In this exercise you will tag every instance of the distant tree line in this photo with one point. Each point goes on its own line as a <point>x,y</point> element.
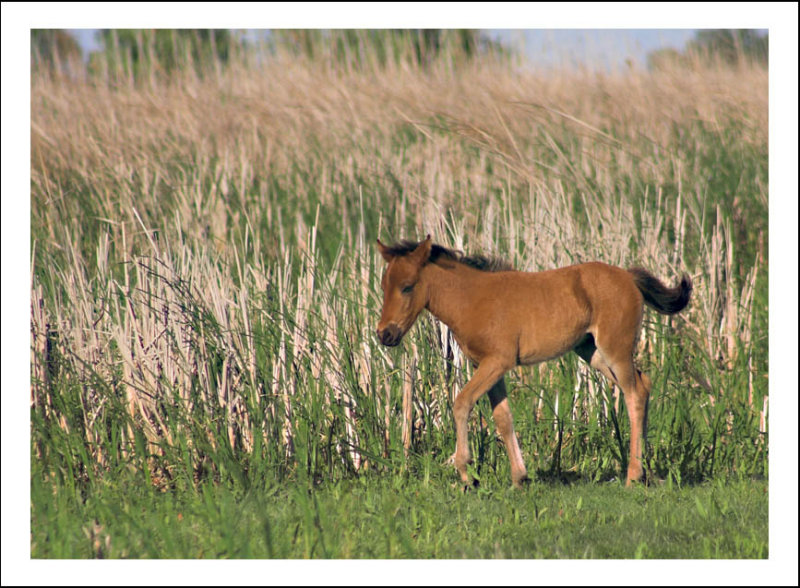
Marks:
<point>715,46</point>
<point>142,53</point>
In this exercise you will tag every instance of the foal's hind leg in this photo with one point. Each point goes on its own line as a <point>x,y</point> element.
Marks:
<point>635,386</point>
<point>505,424</point>
<point>637,391</point>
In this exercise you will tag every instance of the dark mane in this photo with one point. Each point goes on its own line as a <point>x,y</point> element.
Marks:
<point>439,254</point>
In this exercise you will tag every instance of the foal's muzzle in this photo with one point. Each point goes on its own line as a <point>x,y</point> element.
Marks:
<point>390,336</point>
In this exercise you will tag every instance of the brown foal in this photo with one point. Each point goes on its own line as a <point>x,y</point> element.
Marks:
<point>503,318</point>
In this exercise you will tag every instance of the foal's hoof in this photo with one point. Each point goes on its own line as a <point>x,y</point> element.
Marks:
<point>468,486</point>
<point>638,479</point>
<point>522,483</point>
<point>641,481</point>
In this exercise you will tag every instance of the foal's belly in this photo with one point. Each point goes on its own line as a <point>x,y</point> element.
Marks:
<point>548,346</point>
<point>547,335</point>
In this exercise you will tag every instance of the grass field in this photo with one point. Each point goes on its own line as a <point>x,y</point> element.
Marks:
<point>403,516</point>
<point>204,291</point>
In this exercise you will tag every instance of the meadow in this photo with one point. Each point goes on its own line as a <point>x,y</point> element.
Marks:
<point>205,376</point>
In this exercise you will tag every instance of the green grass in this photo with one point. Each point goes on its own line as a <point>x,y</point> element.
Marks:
<point>403,516</point>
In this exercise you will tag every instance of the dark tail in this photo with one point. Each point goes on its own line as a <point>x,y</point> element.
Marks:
<point>658,296</point>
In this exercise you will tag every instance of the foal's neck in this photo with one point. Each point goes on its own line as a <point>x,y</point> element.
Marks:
<point>451,291</point>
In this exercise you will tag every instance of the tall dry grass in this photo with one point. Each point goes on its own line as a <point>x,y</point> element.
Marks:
<point>204,281</point>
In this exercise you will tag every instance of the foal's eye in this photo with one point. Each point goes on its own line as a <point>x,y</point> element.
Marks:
<point>408,289</point>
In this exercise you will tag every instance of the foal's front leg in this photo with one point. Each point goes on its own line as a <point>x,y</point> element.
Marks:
<point>486,376</point>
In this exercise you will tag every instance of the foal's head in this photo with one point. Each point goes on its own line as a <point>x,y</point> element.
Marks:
<point>404,296</point>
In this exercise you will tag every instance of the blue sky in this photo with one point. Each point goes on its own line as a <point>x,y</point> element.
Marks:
<point>591,47</point>
<point>554,47</point>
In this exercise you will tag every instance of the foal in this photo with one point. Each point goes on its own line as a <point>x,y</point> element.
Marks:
<point>503,318</point>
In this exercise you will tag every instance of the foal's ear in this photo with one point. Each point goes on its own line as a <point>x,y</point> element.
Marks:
<point>386,253</point>
<point>423,251</point>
